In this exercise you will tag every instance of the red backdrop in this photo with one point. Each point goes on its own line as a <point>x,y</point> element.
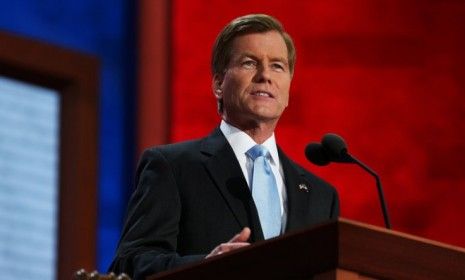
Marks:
<point>387,75</point>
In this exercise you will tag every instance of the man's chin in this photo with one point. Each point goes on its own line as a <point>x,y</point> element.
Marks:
<point>266,114</point>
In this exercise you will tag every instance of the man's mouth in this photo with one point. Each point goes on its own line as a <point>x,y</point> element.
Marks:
<point>262,93</point>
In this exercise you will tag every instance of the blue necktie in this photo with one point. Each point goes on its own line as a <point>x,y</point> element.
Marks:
<point>265,192</point>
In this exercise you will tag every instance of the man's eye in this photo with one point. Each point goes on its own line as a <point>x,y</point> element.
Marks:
<point>278,66</point>
<point>249,63</point>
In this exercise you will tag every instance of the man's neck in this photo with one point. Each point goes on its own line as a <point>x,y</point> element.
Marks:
<point>258,131</point>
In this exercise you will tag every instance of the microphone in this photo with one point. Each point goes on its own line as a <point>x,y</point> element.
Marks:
<point>334,149</point>
<point>316,154</point>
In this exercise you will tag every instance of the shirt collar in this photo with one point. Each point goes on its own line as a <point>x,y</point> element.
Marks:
<point>241,142</point>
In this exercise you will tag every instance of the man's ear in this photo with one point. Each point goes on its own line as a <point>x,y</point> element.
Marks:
<point>217,83</point>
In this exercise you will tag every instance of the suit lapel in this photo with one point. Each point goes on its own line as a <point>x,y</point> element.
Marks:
<point>224,169</point>
<point>298,194</point>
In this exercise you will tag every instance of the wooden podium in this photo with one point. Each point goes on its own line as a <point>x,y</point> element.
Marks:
<point>341,249</point>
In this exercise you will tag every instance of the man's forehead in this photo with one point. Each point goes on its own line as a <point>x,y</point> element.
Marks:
<point>252,44</point>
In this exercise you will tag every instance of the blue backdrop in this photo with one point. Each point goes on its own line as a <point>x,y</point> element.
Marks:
<point>106,29</point>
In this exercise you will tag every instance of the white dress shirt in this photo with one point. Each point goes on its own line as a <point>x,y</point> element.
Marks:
<point>241,142</point>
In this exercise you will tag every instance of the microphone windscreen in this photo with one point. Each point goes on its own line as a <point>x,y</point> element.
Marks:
<point>316,154</point>
<point>335,145</point>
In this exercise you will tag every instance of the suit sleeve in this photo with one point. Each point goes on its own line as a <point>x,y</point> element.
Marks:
<point>149,238</point>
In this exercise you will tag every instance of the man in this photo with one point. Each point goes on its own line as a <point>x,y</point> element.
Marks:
<point>192,197</point>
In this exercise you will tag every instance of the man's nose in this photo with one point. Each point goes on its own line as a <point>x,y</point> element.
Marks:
<point>263,74</point>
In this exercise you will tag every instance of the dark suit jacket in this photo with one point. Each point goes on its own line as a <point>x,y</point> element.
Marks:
<point>192,196</point>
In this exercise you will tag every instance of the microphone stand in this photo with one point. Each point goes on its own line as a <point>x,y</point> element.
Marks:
<point>350,158</point>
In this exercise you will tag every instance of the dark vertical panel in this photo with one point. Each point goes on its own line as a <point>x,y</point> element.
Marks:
<point>154,73</point>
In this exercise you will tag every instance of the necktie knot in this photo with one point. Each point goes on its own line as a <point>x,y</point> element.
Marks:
<point>258,151</point>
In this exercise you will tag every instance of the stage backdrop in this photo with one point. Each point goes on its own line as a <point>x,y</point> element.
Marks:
<point>387,75</point>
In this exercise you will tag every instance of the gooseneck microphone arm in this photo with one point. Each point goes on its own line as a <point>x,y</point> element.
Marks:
<point>334,149</point>
<point>378,186</point>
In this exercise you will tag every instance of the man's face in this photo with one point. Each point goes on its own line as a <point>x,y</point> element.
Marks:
<point>255,86</point>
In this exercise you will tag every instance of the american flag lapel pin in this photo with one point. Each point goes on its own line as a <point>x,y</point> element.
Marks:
<point>303,187</point>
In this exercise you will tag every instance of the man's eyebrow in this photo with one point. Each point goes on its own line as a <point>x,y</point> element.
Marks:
<point>245,54</point>
<point>274,59</point>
